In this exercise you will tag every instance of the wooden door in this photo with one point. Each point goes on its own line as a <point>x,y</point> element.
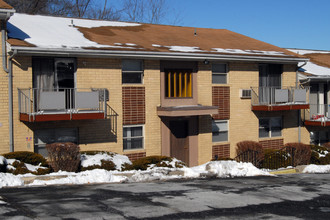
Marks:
<point>179,140</point>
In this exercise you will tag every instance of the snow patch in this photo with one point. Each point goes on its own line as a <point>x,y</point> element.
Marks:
<point>312,168</point>
<point>91,160</point>
<point>8,179</point>
<point>315,69</point>
<point>55,32</point>
<point>254,52</point>
<point>304,51</point>
<point>2,160</point>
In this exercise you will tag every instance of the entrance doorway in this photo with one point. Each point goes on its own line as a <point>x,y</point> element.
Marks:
<point>179,140</point>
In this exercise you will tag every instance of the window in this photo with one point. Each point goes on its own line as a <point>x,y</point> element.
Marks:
<point>133,137</point>
<point>178,83</point>
<point>49,136</point>
<point>132,72</point>
<point>219,73</point>
<point>219,131</point>
<point>270,127</point>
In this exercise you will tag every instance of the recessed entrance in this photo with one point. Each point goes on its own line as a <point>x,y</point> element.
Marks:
<point>179,140</point>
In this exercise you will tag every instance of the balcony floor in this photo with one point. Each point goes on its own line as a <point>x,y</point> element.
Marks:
<point>61,116</point>
<point>279,107</point>
<point>323,123</point>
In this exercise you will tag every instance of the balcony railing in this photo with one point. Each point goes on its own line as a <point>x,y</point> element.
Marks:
<point>318,115</point>
<point>277,98</point>
<point>62,104</point>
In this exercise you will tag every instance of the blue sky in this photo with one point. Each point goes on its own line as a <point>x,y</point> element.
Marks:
<point>285,23</point>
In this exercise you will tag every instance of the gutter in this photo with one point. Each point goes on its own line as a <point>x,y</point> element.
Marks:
<point>34,51</point>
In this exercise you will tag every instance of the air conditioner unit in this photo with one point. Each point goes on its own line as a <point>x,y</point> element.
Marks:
<point>245,93</point>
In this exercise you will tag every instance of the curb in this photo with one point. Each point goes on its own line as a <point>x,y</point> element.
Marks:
<point>284,171</point>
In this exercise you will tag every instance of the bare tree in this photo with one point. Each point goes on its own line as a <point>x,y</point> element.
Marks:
<point>147,11</point>
<point>29,6</point>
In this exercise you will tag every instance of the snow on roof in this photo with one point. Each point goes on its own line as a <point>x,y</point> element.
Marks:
<point>77,34</point>
<point>306,51</point>
<point>56,32</point>
<point>319,62</point>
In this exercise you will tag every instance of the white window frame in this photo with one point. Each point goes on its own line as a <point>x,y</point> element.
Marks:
<point>225,73</point>
<point>270,135</point>
<point>130,137</point>
<point>124,72</point>
<point>217,121</point>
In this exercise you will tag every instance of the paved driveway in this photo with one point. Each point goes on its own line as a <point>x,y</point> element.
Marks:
<point>297,196</point>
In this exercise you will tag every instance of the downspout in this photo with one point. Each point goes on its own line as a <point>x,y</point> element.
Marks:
<point>10,102</point>
<point>299,111</point>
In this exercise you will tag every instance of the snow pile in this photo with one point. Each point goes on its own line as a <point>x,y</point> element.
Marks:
<point>317,169</point>
<point>225,169</point>
<point>86,177</point>
<point>8,179</point>
<point>56,32</point>
<point>91,160</point>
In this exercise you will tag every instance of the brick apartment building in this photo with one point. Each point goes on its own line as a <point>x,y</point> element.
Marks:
<point>142,89</point>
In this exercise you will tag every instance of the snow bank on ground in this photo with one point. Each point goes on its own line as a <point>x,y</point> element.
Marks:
<point>91,160</point>
<point>8,179</point>
<point>90,176</point>
<point>225,169</point>
<point>317,169</point>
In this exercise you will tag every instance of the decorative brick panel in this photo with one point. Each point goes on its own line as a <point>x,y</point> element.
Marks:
<point>221,98</point>
<point>272,144</point>
<point>133,105</point>
<point>221,151</point>
<point>136,156</point>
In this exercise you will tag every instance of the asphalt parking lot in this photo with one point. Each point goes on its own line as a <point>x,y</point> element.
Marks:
<point>294,196</point>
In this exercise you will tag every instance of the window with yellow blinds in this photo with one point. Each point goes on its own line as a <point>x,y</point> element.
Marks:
<point>178,83</point>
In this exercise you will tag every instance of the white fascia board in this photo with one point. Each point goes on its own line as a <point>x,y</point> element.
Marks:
<point>35,51</point>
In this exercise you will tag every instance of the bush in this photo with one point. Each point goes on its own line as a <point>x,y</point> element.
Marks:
<point>105,164</point>
<point>145,162</point>
<point>302,153</point>
<point>250,151</point>
<point>20,168</point>
<point>319,149</point>
<point>275,159</point>
<point>325,160</point>
<point>64,156</point>
<point>27,157</point>
<point>327,146</point>
<point>315,158</point>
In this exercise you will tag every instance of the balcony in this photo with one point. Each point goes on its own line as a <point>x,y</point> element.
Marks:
<point>278,99</point>
<point>318,115</point>
<point>36,105</point>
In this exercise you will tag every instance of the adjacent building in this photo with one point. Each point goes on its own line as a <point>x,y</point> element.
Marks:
<point>143,89</point>
<point>316,75</point>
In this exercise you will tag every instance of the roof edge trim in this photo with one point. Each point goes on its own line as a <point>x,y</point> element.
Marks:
<point>148,55</point>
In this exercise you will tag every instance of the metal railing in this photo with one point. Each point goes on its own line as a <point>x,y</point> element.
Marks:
<point>318,112</point>
<point>34,101</point>
<point>279,95</point>
<point>280,158</point>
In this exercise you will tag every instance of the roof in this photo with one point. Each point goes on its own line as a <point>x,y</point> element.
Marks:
<point>319,64</point>
<point>58,33</point>
<point>4,5</point>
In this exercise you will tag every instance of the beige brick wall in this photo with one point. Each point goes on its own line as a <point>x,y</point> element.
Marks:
<point>243,123</point>
<point>153,123</point>
<point>204,78</point>
<point>4,123</point>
